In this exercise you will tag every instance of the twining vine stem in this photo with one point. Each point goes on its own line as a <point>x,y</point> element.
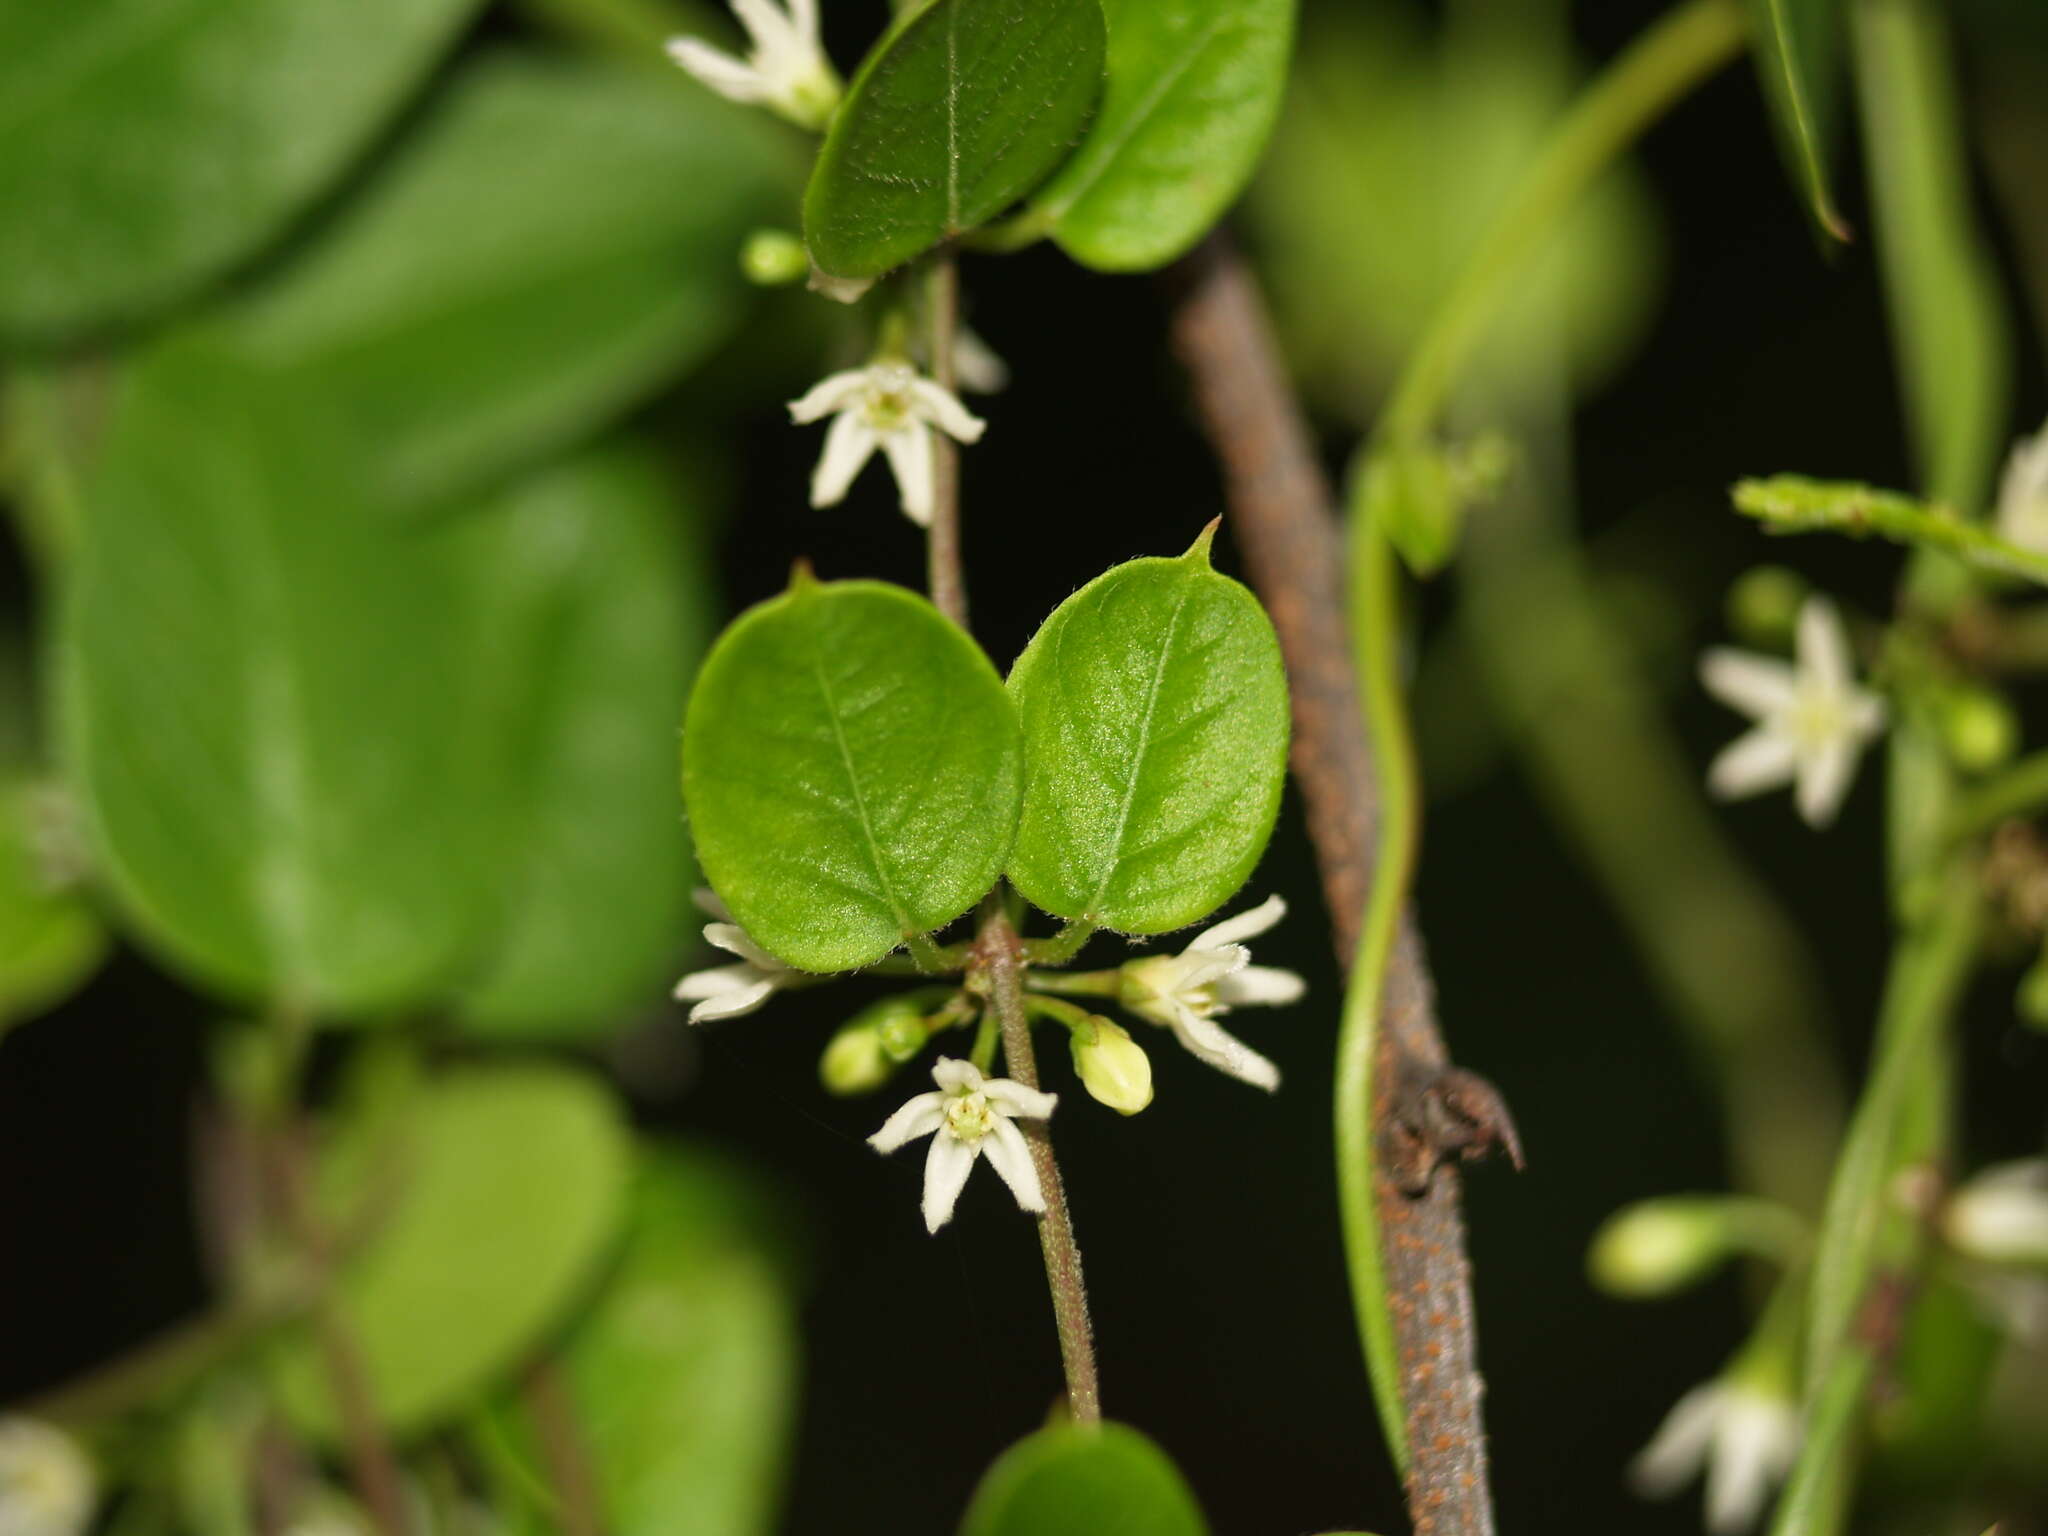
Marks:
<point>998,955</point>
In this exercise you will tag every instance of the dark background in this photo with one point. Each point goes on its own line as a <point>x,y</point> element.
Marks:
<point>1209,1223</point>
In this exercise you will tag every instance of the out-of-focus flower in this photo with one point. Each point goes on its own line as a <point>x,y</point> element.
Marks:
<point>785,69</point>
<point>887,405</point>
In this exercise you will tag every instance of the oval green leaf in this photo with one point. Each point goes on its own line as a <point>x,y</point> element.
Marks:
<point>264,710</point>
<point>1193,89</point>
<point>851,769</point>
<point>683,1374</point>
<point>964,107</point>
<point>593,595</point>
<point>1155,739</point>
<point>150,144</point>
<point>1797,55</point>
<point>1074,1477</point>
<point>499,1191</point>
<point>551,239</point>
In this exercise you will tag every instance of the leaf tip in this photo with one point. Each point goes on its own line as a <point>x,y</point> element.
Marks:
<point>801,577</point>
<point>1200,549</point>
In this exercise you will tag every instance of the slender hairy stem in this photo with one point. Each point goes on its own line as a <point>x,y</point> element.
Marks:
<point>998,953</point>
<point>1282,511</point>
<point>563,1448</point>
<point>1002,961</point>
<point>1657,70</point>
<point>947,582</point>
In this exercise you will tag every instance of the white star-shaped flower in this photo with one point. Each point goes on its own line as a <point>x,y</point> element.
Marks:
<point>727,991</point>
<point>46,1482</point>
<point>890,406</point>
<point>2023,494</point>
<point>1744,1435</point>
<point>1185,992</point>
<point>785,70</point>
<point>1813,721</point>
<point>968,1117</point>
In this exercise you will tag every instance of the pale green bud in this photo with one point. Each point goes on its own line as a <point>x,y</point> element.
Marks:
<point>2032,1000</point>
<point>1980,729</point>
<point>854,1061</point>
<point>1113,1067</point>
<point>774,258</point>
<point>872,1044</point>
<point>1656,1247</point>
<point>1764,604</point>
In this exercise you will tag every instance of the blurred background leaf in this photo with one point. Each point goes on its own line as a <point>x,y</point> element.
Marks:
<point>682,1373</point>
<point>154,143</point>
<point>499,1194</point>
<point>553,239</point>
<point>1083,1477</point>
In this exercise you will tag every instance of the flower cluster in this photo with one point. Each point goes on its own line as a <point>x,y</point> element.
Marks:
<point>971,1114</point>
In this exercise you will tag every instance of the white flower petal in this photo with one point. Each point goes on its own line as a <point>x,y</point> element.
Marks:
<point>728,1002</point>
<point>1260,986</point>
<point>848,443</point>
<point>1010,1156</point>
<point>1246,925</point>
<point>1759,760</point>
<point>735,940</point>
<point>1755,1438</point>
<point>2001,1215</point>
<point>1824,777</point>
<point>708,903</point>
<point>834,392</point>
<point>766,24</point>
<point>1757,685</point>
<point>916,1117</point>
<point>945,1170</point>
<point>1210,1042</point>
<point>1011,1097</point>
<point>955,1075</point>
<point>1679,1448</point>
<point>976,365</point>
<point>942,407</point>
<point>909,448</point>
<point>1823,646</point>
<point>714,67</point>
<point>803,16</point>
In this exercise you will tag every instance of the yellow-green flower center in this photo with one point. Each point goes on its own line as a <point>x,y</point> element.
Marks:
<point>968,1117</point>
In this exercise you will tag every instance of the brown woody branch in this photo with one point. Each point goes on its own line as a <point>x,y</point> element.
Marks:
<point>1284,515</point>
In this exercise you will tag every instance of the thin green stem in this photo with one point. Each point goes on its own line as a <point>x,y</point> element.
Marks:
<point>1002,961</point>
<point>1375,622</point>
<point>1076,983</point>
<point>2020,790</point>
<point>1060,947</point>
<point>1654,73</point>
<point>1070,1016</point>
<point>986,1038</point>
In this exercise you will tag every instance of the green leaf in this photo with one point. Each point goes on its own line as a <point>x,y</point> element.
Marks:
<point>684,1374</point>
<point>1797,44</point>
<point>551,240</point>
<point>153,143</point>
<point>592,572</point>
<point>1074,1477</point>
<point>262,710</point>
<point>1193,89</point>
<point>1947,312</point>
<point>1795,504</point>
<point>851,769</point>
<point>1155,740</point>
<point>501,1193</point>
<point>51,941</point>
<point>964,107</point>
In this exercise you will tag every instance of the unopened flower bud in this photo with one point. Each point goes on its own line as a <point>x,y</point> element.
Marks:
<point>2032,999</point>
<point>1113,1067</point>
<point>1656,1247</point>
<point>1980,729</point>
<point>872,1044</point>
<point>1763,606</point>
<point>773,258</point>
<point>46,1481</point>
